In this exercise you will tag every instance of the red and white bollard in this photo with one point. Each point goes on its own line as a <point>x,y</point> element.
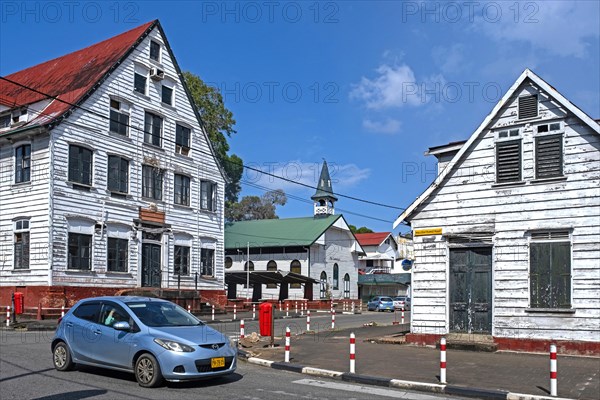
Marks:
<point>189,309</point>
<point>402,316</point>
<point>443,360</point>
<point>213,312</point>
<point>234,312</point>
<point>62,311</point>
<point>280,309</point>
<point>287,309</point>
<point>296,307</point>
<point>352,353</point>
<point>242,329</point>
<point>7,316</point>
<point>308,320</point>
<point>553,372</point>
<point>302,309</point>
<point>253,311</point>
<point>332,319</point>
<point>287,344</point>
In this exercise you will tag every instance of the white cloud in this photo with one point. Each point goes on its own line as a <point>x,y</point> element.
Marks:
<point>394,86</point>
<point>343,176</point>
<point>389,126</point>
<point>559,27</point>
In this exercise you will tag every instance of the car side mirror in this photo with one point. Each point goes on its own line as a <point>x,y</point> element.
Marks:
<point>122,326</point>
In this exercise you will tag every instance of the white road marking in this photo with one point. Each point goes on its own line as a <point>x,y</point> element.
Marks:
<point>394,394</point>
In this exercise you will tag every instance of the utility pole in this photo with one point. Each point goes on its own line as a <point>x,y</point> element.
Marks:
<point>248,271</point>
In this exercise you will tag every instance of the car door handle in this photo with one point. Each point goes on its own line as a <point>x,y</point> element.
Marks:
<point>69,325</point>
<point>97,332</point>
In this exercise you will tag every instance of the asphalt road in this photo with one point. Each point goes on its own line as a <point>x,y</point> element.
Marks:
<point>26,372</point>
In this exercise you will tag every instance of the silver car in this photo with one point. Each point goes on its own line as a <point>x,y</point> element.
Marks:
<point>155,339</point>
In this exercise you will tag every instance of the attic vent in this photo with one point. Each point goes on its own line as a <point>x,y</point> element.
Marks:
<point>549,235</point>
<point>508,161</point>
<point>548,156</point>
<point>528,106</point>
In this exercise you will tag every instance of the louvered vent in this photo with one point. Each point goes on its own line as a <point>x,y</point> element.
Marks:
<point>549,235</point>
<point>548,156</point>
<point>508,161</point>
<point>528,106</point>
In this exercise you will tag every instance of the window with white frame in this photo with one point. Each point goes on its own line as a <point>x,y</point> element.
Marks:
<point>182,260</point>
<point>508,156</point>
<point>182,190</point>
<point>208,195</point>
<point>167,94</point>
<point>347,286</point>
<point>549,151</point>
<point>550,270</point>
<point>153,126</point>
<point>272,267</point>
<point>295,268</point>
<point>140,80</point>
<point>118,174</point>
<point>21,244</point>
<point>119,117</point>
<point>183,136</point>
<point>117,254</point>
<point>207,262</point>
<point>23,163</point>
<point>336,276</point>
<point>155,50</point>
<point>152,182</point>
<point>80,165</point>
<point>80,251</point>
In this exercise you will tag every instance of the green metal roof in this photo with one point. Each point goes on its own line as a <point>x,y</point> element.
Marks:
<point>276,232</point>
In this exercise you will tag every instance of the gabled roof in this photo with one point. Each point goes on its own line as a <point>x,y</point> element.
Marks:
<point>527,74</point>
<point>277,232</point>
<point>70,78</point>
<point>372,239</point>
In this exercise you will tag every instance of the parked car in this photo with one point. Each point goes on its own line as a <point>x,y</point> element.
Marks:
<point>402,302</point>
<point>153,338</point>
<point>380,303</point>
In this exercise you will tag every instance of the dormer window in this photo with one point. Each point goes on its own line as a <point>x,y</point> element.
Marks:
<point>154,51</point>
<point>528,106</point>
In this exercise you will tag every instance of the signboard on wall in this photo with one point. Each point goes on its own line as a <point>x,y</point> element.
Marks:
<point>428,231</point>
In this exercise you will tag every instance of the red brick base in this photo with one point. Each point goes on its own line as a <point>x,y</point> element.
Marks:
<point>525,345</point>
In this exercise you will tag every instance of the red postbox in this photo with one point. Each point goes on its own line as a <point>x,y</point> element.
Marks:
<point>265,319</point>
<point>19,303</point>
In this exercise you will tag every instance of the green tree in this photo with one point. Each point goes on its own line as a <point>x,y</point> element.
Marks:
<point>218,122</point>
<point>255,207</point>
<point>362,229</point>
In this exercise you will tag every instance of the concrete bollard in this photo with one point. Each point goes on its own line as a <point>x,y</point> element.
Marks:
<point>332,319</point>
<point>213,312</point>
<point>353,308</point>
<point>352,353</point>
<point>553,371</point>
<point>287,344</point>
<point>443,360</point>
<point>308,320</point>
<point>242,333</point>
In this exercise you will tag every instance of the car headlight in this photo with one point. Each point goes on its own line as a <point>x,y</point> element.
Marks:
<point>174,346</point>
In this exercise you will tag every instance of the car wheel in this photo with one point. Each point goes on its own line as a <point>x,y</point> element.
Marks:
<point>147,371</point>
<point>61,356</point>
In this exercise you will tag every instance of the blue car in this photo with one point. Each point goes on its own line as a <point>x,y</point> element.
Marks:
<point>155,339</point>
<point>380,303</point>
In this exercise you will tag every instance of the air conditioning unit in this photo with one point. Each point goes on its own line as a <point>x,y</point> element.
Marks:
<point>157,74</point>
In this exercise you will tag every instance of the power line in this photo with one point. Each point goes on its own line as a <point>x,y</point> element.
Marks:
<point>103,116</point>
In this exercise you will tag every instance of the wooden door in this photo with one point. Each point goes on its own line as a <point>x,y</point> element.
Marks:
<point>151,270</point>
<point>471,290</point>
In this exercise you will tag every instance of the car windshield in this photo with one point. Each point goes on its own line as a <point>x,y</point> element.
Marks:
<point>155,314</point>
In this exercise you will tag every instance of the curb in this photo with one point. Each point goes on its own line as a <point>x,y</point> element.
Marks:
<point>394,383</point>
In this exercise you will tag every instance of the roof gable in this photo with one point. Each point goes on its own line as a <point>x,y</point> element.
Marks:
<point>69,78</point>
<point>527,74</point>
<point>372,239</point>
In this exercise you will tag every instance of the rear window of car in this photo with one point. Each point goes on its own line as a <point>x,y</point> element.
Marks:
<point>88,311</point>
<point>386,299</point>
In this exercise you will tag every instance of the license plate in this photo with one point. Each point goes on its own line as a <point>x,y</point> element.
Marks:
<point>217,362</point>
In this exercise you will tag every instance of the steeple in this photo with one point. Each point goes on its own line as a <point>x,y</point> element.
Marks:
<point>324,198</point>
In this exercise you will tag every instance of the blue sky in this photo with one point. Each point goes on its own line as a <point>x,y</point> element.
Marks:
<point>368,86</point>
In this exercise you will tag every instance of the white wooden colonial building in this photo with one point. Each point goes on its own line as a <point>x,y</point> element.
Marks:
<point>321,247</point>
<point>108,180</point>
<point>507,237</point>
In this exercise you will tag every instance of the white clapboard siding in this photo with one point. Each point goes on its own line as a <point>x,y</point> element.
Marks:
<point>469,201</point>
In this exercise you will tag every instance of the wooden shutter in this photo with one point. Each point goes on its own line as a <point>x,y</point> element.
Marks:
<point>548,156</point>
<point>539,279</point>
<point>528,106</point>
<point>508,161</point>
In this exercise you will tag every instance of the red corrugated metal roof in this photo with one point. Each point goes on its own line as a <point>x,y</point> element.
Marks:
<point>371,239</point>
<point>68,77</point>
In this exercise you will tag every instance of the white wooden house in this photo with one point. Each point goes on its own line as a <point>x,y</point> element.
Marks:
<point>507,237</point>
<point>108,180</point>
<point>321,247</point>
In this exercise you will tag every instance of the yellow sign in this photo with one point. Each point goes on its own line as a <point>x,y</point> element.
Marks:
<point>428,231</point>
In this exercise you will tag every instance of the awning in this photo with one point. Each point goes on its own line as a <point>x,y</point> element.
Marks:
<point>265,277</point>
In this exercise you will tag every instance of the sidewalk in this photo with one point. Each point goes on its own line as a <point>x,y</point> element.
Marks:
<point>495,373</point>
